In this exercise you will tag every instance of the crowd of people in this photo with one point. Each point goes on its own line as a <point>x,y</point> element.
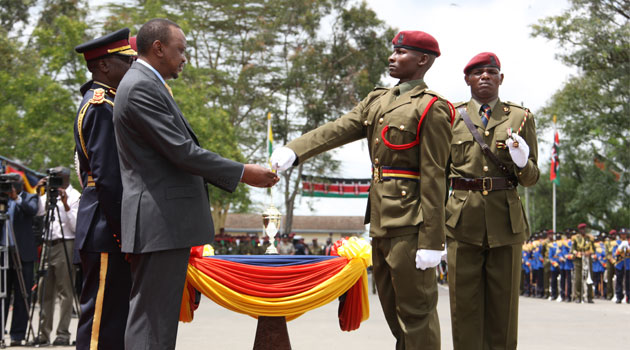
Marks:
<point>577,266</point>
<point>286,244</point>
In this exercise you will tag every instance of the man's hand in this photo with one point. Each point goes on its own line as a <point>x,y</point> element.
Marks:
<point>64,198</point>
<point>519,150</point>
<point>255,175</point>
<point>427,258</point>
<point>282,158</point>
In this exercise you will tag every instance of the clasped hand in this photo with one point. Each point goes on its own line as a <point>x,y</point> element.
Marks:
<point>519,150</point>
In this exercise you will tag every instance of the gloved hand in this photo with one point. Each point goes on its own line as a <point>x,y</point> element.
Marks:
<point>623,245</point>
<point>282,158</point>
<point>426,258</point>
<point>519,154</point>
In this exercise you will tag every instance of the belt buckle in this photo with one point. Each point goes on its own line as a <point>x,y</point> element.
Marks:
<point>485,188</point>
<point>377,174</point>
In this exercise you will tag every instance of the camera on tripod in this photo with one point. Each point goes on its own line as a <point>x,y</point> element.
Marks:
<point>7,183</point>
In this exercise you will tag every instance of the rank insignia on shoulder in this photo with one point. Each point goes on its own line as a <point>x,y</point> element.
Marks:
<point>99,96</point>
<point>506,109</point>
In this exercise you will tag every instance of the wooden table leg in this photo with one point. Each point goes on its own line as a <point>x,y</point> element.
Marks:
<point>272,334</point>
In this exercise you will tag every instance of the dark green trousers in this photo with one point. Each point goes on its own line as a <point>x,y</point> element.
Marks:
<point>408,296</point>
<point>483,286</point>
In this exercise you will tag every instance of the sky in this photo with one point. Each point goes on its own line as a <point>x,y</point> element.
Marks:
<point>462,29</point>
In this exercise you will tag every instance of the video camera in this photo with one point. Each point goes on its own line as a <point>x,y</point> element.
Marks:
<point>55,179</point>
<point>7,182</point>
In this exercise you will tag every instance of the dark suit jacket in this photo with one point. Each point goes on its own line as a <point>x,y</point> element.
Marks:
<point>98,219</point>
<point>163,169</point>
<point>22,217</point>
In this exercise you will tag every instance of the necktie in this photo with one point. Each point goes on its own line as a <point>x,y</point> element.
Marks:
<point>169,89</point>
<point>485,114</point>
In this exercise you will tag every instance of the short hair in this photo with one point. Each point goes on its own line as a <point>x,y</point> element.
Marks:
<point>155,29</point>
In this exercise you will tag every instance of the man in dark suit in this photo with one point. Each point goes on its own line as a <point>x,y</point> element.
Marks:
<point>21,210</point>
<point>103,318</point>
<point>165,206</point>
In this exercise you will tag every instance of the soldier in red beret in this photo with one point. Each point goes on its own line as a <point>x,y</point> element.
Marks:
<point>494,149</point>
<point>408,129</point>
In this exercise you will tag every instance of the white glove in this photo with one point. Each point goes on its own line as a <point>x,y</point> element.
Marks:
<point>623,245</point>
<point>519,154</point>
<point>282,158</point>
<point>427,258</point>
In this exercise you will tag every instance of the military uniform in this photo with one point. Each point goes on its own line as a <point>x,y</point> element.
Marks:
<point>609,244</point>
<point>106,275</point>
<point>621,252</point>
<point>489,223</point>
<point>566,269</point>
<point>581,248</point>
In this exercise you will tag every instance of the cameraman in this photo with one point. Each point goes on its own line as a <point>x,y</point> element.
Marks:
<point>22,207</point>
<point>58,280</point>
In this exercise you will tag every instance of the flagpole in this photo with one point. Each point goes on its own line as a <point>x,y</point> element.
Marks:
<point>555,130</point>
<point>269,150</point>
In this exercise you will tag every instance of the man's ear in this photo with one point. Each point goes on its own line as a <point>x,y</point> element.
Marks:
<point>501,81</point>
<point>103,65</point>
<point>158,48</point>
<point>466,79</point>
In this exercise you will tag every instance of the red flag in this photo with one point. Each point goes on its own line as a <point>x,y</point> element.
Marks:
<point>555,160</point>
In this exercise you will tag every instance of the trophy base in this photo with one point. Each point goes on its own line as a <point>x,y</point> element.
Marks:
<point>271,250</point>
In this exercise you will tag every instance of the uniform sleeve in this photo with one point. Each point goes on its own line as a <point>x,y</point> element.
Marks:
<point>528,175</point>
<point>435,141</point>
<point>350,127</point>
<point>153,120</point>
<point>28,207</point>
<point>98,131</point>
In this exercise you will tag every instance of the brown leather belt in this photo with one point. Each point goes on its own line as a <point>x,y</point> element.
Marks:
<point>484,184</point>
<point>90,182</point>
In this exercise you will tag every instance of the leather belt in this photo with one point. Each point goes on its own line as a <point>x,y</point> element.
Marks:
<point>483,184</point>
<point>53,242</point>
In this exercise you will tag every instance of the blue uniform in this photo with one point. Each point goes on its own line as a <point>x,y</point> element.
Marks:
<point>622,271</point>
<point>98,224</point>
<point>554,259</point>
<point>566,267</point>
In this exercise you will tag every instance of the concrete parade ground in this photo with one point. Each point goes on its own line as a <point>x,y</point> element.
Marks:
<point>543,324</point>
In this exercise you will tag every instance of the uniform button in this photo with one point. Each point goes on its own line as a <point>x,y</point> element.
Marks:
<point>376,161</point>
<point>380,121</point>
<point>487,133</point>
<point>376,140</point>
<point>485,168</point>
<point>459,142</point>
<point>365,123</point>
<point>402,127</point>
<point>403,193</point>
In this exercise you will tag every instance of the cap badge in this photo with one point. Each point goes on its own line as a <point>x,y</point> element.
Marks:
<point>400,39</point>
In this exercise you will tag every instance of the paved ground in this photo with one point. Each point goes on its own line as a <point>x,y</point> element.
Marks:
<point>543,325</point>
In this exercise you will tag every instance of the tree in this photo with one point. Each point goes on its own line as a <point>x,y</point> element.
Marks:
<point>593,110</point>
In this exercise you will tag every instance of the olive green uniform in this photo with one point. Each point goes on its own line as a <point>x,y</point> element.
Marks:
<point>405,214</point>
<point>609,244</point>
<point>486,231</point>
<point>582,245</point>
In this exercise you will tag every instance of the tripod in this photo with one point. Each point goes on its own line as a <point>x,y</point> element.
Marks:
<point>44,260</point>
<point>5,251</point>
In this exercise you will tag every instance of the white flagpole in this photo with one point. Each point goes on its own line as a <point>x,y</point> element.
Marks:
<point>554,182</point>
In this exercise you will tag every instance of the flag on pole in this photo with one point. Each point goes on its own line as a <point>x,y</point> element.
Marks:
<point>269,138</point>
<point>555,159</point>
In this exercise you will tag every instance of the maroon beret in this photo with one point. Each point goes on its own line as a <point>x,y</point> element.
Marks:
<point>612,232</point>
<point>582,225</point>
<point>418,41</point>
<point>484,59</point>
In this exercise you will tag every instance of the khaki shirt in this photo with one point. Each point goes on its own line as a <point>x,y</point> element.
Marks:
<point>498,218</point>
<point>396,207</point>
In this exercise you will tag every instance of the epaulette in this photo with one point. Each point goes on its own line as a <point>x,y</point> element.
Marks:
<point>97,98</point>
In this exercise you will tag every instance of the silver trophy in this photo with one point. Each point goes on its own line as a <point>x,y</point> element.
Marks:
<point>271,224</point>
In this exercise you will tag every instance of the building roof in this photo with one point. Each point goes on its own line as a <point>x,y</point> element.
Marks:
<point>301,224</point>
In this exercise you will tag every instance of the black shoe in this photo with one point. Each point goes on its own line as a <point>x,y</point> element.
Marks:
<point>618,301</point>
<point>590,301</point>
<point>40,342</point>
<point>61,342</point>
<point>15,342</point>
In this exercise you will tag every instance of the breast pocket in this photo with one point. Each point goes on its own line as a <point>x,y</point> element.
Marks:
<point>400,132</point>
<point>461,145</point>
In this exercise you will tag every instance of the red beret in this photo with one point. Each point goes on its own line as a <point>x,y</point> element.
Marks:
<point>418,41</point>
<point>612,232</point>
<point>582,225</point>
<point>132,43</point>
<point>484,59</point>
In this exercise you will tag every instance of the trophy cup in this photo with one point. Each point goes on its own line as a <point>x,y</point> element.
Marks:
<point>271,224</point>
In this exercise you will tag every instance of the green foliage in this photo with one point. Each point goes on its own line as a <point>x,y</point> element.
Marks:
<point>593,110</point>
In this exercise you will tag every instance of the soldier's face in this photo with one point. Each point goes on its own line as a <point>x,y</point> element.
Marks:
<point>484,83</point>
<point>174,53</point>
<point>404,63</point>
